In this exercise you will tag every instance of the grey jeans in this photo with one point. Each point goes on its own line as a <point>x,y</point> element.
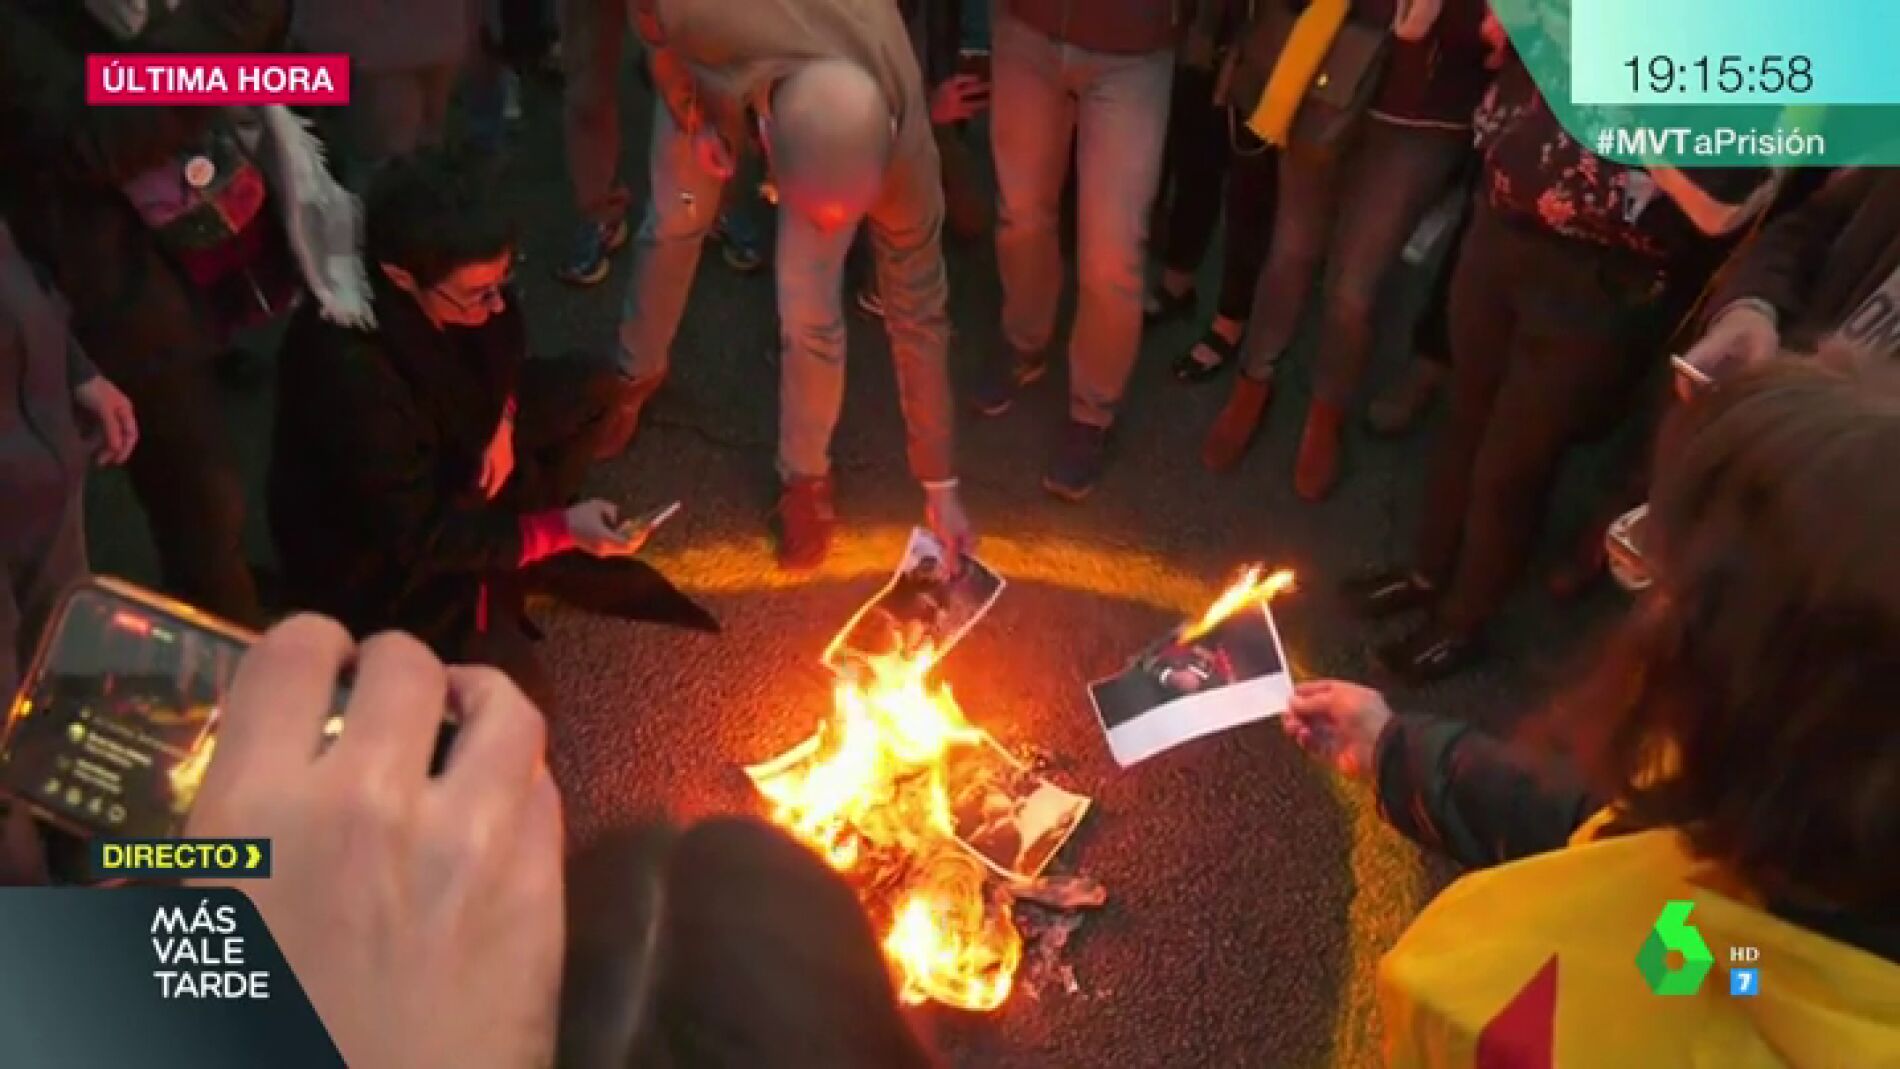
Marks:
<point>906,232</point>
<point>395,112</point>
<point>1351,211</point>
<point>1115,108</point>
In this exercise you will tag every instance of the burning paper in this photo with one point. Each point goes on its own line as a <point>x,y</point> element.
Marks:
<point>1212,674</point>
<point>924,811</point>
<point>923,609</point>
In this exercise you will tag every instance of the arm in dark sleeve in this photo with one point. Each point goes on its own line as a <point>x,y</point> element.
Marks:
<point>1451,788</point>
<point>943,40</point>
<point>1781,264</point>
<point>392,462</point>
<point>79,367</point>
<point>44,115</point>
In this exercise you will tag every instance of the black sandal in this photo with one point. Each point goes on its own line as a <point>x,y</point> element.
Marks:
<point>1189,367</point>
<point>1162,306</point>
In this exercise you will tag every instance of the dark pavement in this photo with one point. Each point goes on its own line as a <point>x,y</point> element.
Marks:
<point>1251,891</point>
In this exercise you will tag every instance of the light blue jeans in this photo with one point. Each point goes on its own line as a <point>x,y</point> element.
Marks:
<point>1116,109</point>
<point>905,228</point>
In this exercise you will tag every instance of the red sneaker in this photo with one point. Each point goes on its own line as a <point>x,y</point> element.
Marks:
<point>806,519</point>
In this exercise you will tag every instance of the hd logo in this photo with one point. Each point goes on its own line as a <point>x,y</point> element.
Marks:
<point>1674,932</point>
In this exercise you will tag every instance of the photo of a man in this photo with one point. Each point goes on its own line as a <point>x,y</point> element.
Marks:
<point>1012,819</point>
<point>1180,688</point>
<point>927,607</point>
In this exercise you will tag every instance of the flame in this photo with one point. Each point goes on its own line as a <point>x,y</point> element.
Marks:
<point>874,802</point>
<point>1247,591</point>
<point>188,774</point>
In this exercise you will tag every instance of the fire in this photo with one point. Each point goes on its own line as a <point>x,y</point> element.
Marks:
<point>873,799</point>
<point>1249,590</point>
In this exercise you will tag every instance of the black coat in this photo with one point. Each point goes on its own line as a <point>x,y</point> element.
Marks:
<point>1482,802</point>
<point>63,163</point>
<point>379,438</point>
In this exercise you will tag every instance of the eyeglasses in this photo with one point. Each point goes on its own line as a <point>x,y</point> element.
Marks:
<point>493,296</point>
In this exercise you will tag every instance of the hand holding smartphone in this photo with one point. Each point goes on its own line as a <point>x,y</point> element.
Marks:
<point>1692,378</point>
<point>117,721</point>
<point>641,527</point>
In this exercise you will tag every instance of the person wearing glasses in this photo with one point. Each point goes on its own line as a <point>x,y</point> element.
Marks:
<point>422,469</point>
<point>832,90</point>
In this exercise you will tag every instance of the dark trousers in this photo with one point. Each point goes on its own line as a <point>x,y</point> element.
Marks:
<point>41,556</point>
<point>1550,341</point>
<point>186,479</point>
<point>1351,211</point>
<point>1431,335</point>
<point>1217,166</point>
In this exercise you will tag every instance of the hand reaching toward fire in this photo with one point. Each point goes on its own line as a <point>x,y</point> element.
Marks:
<point>1340,722</point>
<point>944,515</point>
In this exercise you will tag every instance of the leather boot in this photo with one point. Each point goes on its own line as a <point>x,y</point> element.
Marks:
<point>1234,428</point>
<point>806,520</point>
<point>1316,471</point>
<point>623,419</point>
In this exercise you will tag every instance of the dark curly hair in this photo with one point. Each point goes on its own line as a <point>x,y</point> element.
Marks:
<point>1752,700</point>
<point>725,945</point>
<point>435,211</point>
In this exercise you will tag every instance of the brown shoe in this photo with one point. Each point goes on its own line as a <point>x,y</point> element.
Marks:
<point>1234,428</point>
<point>623,419</point>
<point>1316,471</point>
<point>1397,408</point>
<point>806,519</point>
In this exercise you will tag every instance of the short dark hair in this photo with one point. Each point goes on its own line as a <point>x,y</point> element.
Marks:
<point>728,944</point>
<point>435,211</point>
<point>1750,699</point>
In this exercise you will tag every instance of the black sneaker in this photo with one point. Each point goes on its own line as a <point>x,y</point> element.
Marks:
<point>1077,464</point>
<point>593,253</point>
<point>738,245</point>
<point>1384,592</point>
<point>1007,372</point>
<point>1428,655</point>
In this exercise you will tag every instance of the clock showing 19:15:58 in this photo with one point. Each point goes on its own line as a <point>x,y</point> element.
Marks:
<point>1729,75</point>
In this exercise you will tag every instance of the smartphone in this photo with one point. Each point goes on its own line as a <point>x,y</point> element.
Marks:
<point>1624,544</point>
<point>1697,379</point>
<point>117,720</point>
<point>974,61</point>
<point>647,522</point>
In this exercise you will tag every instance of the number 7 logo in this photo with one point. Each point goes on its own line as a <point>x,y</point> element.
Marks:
<point>1744,983</point>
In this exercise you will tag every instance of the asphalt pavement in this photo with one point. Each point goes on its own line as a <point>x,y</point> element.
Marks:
<point>1251,891</point>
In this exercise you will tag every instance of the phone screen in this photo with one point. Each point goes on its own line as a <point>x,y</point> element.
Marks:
<point>114,729</point>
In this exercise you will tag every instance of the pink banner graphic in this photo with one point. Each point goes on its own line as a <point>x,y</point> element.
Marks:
<point>213,80</point>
